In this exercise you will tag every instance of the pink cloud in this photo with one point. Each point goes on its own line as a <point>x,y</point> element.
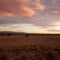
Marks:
<point>55,12</point>
<point>54,1</point>
<point>18,7</point>
<point>39,6</point>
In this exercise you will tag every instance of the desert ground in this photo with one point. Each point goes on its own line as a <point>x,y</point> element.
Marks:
<point>30,47</point>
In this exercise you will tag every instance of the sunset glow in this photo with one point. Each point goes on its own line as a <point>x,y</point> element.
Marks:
<point>30,16</point>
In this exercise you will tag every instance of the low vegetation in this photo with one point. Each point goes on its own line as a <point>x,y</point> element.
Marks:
<point>30,47</point>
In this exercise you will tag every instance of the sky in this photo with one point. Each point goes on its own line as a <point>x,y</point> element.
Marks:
<point>30,16</point>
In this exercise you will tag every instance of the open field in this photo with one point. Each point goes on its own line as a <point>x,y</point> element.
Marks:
<point>30,47</point>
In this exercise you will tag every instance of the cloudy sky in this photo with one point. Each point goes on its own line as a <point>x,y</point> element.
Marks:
<point>31,16</point>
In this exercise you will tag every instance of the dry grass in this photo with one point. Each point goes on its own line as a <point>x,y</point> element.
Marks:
<point>30,47</point>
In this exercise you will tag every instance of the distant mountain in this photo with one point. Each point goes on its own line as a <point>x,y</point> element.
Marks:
<point>10,32</point>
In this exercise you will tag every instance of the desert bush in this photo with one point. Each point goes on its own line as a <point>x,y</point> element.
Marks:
<point>49,56</point>
<point>31,52</point>
<point>3,56</point>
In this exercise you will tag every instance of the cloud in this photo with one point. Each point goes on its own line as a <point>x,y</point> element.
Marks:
<point>5,14</point>
<point>18,7</point>
<point>54,27</point>
<point>26,11</point>
<point>54,1</point>
<point>55,12</point>
<point>48,12</point>
<point>30,28</point>
<point>38,6</point>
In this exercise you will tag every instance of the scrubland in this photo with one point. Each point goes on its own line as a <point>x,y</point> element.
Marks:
<point>30,47</point>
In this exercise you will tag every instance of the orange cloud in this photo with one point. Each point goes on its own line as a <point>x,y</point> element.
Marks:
<point>27,11</point>
<point>5,14</point>
<point>18,7</point>
<point>22,1</point>
<point>39,6</point>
